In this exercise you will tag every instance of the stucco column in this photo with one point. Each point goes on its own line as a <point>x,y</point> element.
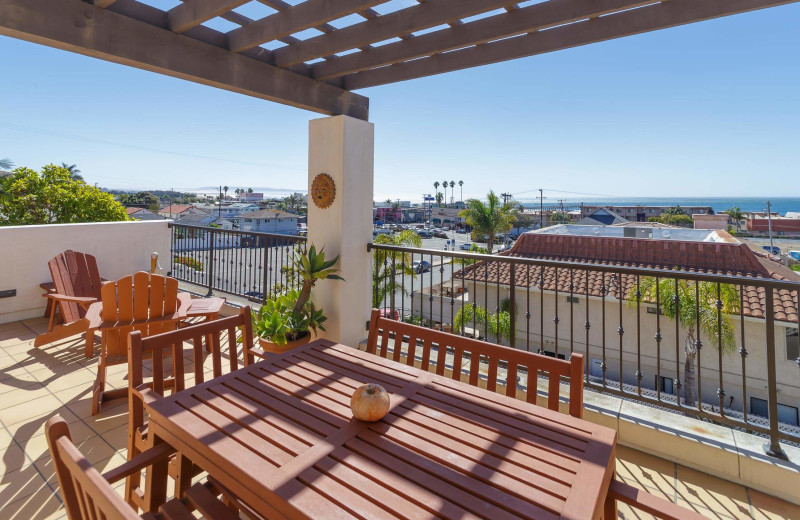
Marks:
<point>343,147</point>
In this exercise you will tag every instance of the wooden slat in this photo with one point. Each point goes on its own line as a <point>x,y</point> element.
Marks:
<point>191,13</point>
<point>635,21</point>
<point>390,25</point>
<point>83,28</point>
<point>141,296</point>
<point>297,18</point>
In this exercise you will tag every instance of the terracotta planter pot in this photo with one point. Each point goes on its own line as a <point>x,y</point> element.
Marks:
<point>268,346</point>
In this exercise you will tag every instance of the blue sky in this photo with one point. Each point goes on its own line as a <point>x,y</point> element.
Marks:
<point>710,109</point>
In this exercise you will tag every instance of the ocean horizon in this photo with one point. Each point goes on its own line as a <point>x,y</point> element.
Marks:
<point>779,204</point>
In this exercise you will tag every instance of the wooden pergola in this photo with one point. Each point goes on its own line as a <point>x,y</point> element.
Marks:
<point>357,43</point>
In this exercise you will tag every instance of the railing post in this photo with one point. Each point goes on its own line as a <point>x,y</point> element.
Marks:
<point>210,262</point>
<point>773,448</point>
<point>512,340</point>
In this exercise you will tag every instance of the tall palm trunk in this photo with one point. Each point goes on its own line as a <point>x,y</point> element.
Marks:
<point>688,370</point>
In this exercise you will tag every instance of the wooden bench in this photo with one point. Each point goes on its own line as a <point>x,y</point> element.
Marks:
<point>422,342</point>
<point>89,495</point>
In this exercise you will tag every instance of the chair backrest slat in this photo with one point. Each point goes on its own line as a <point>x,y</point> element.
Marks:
<point>494,357</point>
<point>74,274</point>
<point>86,494</point>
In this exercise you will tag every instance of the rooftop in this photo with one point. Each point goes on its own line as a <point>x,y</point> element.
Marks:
<point>583,246</point>
<point>644,230</point>
<point>36,383</point>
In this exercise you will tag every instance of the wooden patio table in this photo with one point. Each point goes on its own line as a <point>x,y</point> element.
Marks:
<point>279,434</point>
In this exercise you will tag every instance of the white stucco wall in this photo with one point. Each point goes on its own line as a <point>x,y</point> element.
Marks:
<point>121,248</point>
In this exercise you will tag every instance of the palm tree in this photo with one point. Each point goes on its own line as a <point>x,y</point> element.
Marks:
<point>452,187</point>
<point>436,191</point>
<point>696,309</point>
<point>559,217</point>
<point>461,185</point>
<point>6,164</point>
<point>489,218</point>
<point>225,189</point>
<point>736,215</point>
<point>387,265</point>
<point>439,198</point>
<point>444,185</point>
<point>249,190</point>
<point>74,172</point>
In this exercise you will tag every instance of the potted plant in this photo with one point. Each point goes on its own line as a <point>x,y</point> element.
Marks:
<point>287,320</point>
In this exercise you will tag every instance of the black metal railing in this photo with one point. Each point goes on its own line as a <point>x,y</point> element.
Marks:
<point>245,263</point>
<point>635,326</point>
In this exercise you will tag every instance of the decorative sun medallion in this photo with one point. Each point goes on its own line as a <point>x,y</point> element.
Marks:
<point>323,190</point>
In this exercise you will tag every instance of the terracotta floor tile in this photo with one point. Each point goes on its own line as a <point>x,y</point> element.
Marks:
<point>35,425</point>
<point>17,376</point>
<point>19,484</point>
<point>13,384</point>
<point>13,459</point>
<point>23,395</point>
<point>14,334</point>
<point>718,495</point>
<point>766,507</point>
<point>117,437</point>
<point>28,410</point>
<point>108,418</point>
<point>655,475</point>
<point>36,446</point>
<point>42,505</point>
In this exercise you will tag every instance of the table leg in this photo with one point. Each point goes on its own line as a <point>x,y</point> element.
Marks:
<point>211,343</point>
<point>610,505</point>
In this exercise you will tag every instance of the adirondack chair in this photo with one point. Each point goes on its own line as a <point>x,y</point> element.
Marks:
<point>89,495</point>
<point>170,345</point>
<point>147,303</point>
<point>76,285</point>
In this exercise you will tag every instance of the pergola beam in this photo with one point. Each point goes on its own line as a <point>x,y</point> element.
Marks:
<point>80,27</point>
<point>390,25</point>
<point>294,19</point>
<point>194,12</point>
<point>663,15</point>
<point>518,21</point>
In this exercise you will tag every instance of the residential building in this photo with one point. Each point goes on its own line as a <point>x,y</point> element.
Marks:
<point>789,227</point>
<point>174,211</point>
<point>640,213</point>
<point>234,211</point>
<point>602,217</point>
<point>710,221</point>
<point>196,219</point>
<point>540,302</point>
<point>270,221</point>
<point>142,214</point>
<point>250,197</point>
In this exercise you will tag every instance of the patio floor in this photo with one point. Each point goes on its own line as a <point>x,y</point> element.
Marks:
<point>37,383</point>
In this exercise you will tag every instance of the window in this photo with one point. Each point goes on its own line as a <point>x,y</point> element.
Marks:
<point>652,310</point>
<point>667,384</point>
<point>792,344</point>
<point>248,220</point>
<point>573,299</point>
<point>550,353</point>
<point>651,210</point>
<point>786,414</point>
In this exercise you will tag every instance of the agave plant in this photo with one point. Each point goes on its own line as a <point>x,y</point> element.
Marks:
<point>312,267</point>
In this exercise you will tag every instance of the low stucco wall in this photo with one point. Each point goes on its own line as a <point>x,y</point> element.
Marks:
<point>121,248</point>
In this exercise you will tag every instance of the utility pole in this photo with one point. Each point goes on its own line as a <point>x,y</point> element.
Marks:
<point>219,210</point>
<point>171,201</point>
<point>541,208</point>
<point>769,221</point>
<point>505,196</point>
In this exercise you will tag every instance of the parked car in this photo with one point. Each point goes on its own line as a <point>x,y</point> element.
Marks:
<point>392,314</point>
<point>775,250</point>
<point>439,234</point>
<point>795,255</point>
<point>461,231</point>
<point>421,267</point>
<point>466,246</point>
<point>255,295</point>
<point>376,232</point>
<point>424,234</point>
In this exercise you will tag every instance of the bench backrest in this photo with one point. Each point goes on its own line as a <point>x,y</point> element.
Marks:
<point>429,350</point>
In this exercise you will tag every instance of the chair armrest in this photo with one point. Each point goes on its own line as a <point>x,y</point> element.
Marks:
<point>81,300</point>
<point>648,503</point>
<point>258,352</point>
<point>139,462</point>
<point>184,303</point>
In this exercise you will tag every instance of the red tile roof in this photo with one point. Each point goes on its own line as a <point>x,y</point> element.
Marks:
<point>699,257</point>
<point>131,211</point>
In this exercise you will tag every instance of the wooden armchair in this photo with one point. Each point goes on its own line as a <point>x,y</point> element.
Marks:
<point>171,345</point>
<point>140,302</point>
<point>76,285</point>
<point>89,495</point>
<point>422,341</point>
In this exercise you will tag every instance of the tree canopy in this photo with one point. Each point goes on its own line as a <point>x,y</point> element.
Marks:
<point>674,219</point>
<point>52,196</point>
<point>489,218</point>
<point>143,198</point>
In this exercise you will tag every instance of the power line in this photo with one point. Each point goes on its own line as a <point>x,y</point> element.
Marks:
<point>85,139</point>
<point>567,192</point>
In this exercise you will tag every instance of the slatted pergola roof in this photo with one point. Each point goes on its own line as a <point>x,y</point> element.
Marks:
<point>314,53</point>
